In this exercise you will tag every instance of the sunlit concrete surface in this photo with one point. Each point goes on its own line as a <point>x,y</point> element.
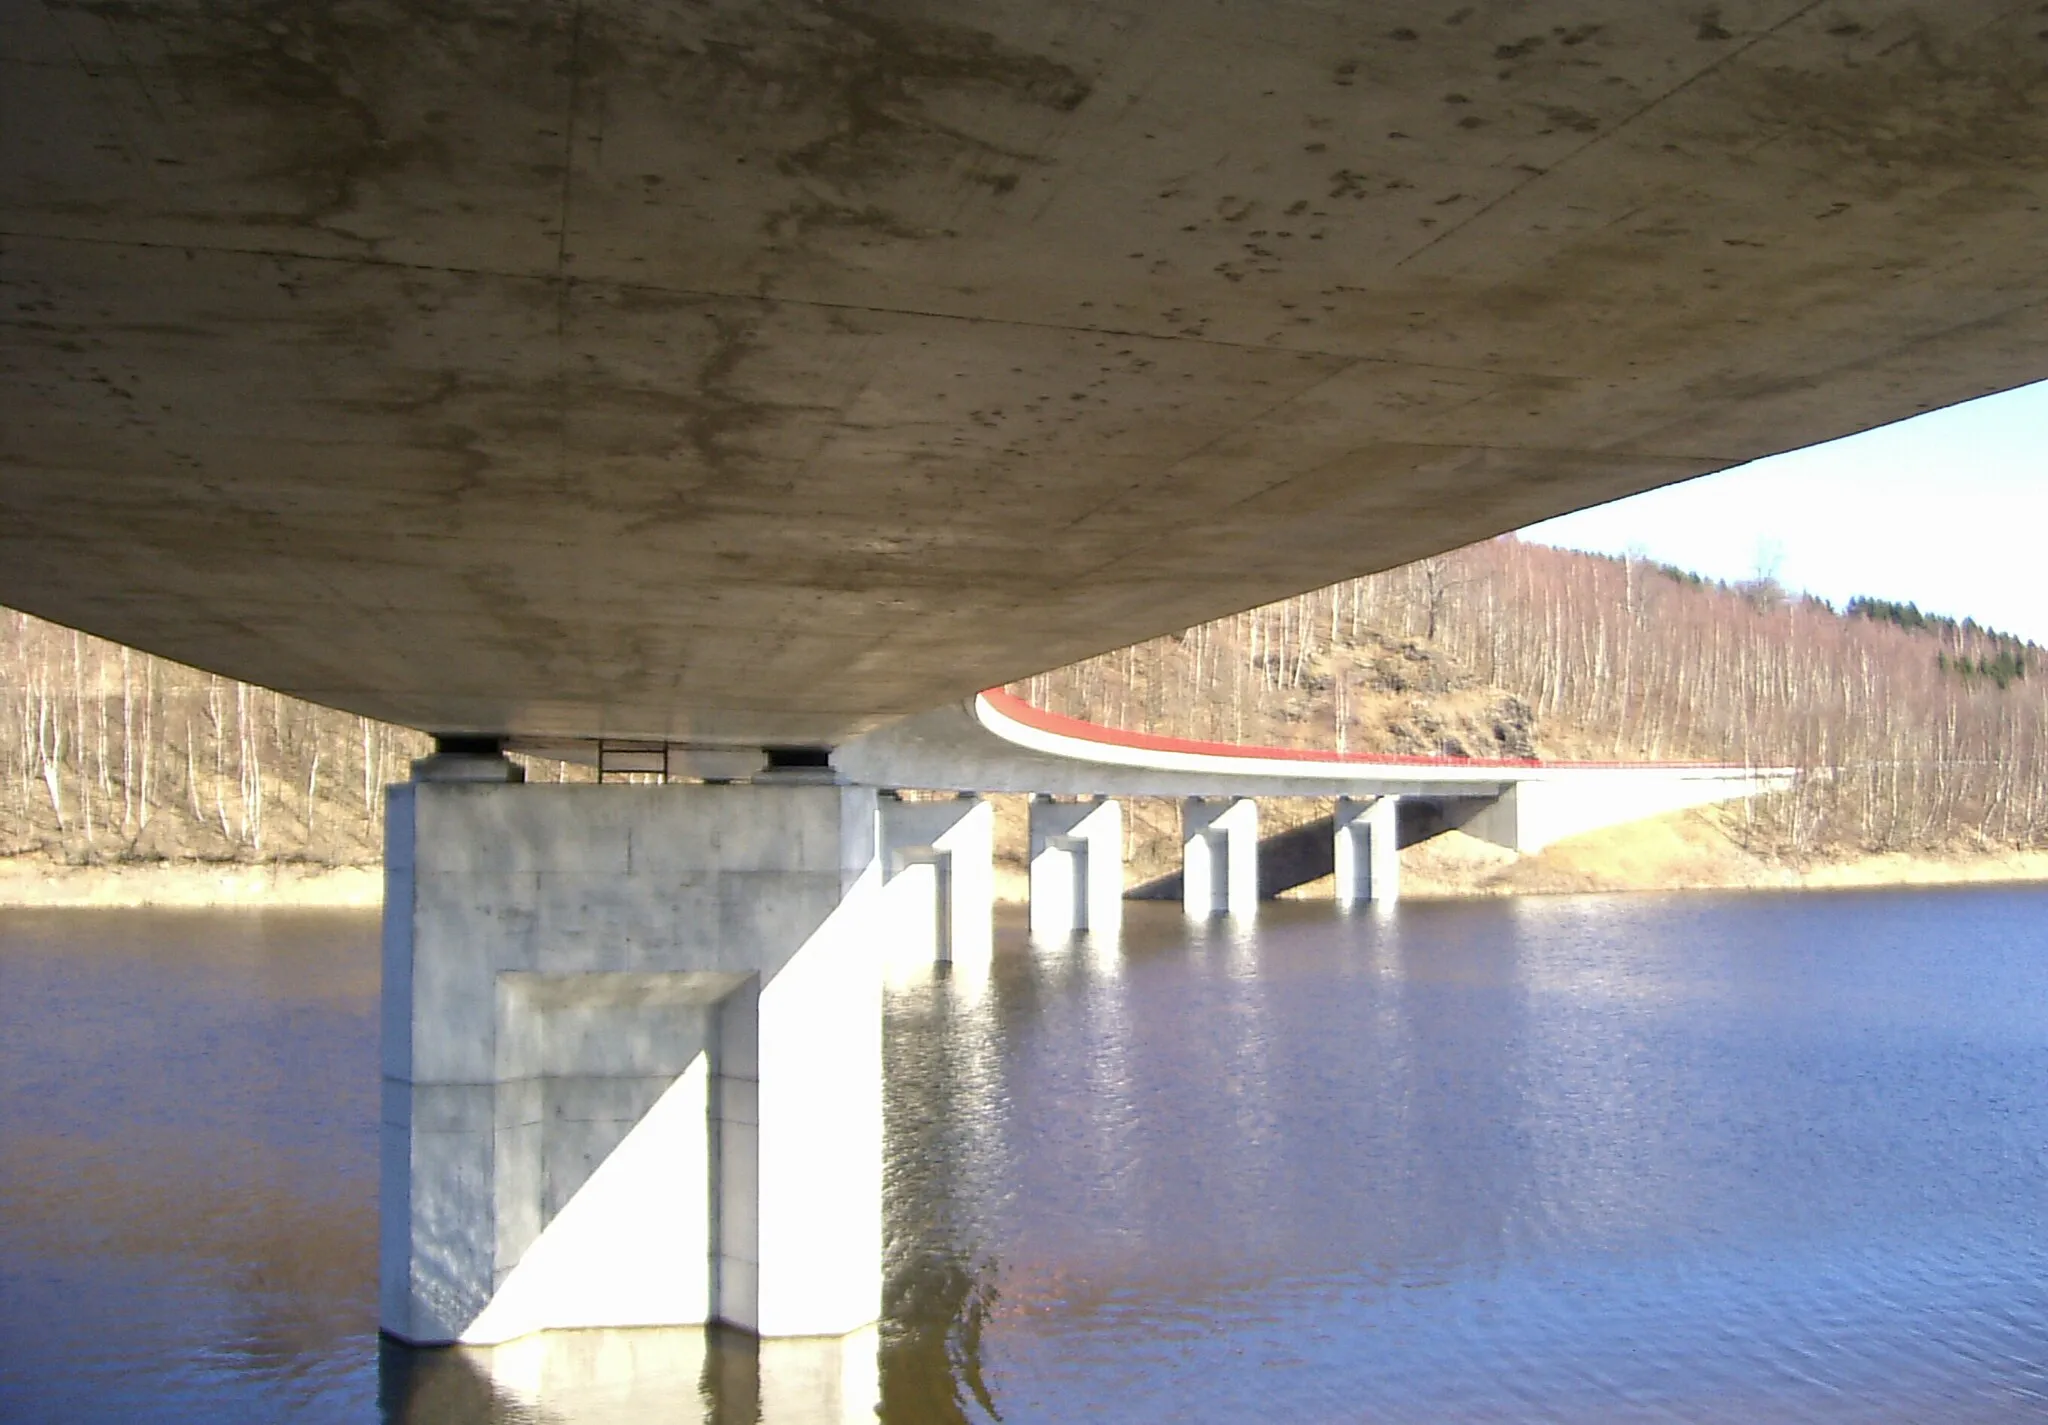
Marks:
<point>1530,815</point>
<point>938,860</point>
<point>632,1059</point>
<point>745,373</point>
<point>1367,845</point>
<point>1076,852</point>
<point>1220,856</point>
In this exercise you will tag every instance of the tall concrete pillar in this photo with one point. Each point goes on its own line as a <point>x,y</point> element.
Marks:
<point>1368,850</point>
<point>938,864</point>
<point>1220,847</point>
<point>1077,866</point>
<point>632,1059</point>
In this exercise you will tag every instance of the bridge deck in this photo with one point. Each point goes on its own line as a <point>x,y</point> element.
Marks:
<point>759,372</point>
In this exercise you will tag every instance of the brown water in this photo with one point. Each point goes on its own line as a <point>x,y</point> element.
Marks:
<point>1702,1158</point>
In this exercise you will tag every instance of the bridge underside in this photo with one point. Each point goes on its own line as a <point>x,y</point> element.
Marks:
<point>758,372</point>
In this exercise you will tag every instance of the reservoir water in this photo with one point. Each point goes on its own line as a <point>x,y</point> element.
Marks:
<point>1678,1158</point>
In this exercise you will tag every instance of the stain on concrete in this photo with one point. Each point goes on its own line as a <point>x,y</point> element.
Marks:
<point>801,219</point>
<point>856,302</point>
<point>1969,104</point>
<point>1566,117</point>
<point>877,89</point>
<point>309,88</point>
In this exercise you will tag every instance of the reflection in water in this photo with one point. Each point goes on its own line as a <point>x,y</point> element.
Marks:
<point>187,1163</point>
<point>1693,1158</point>
<point>625,1377</point>
<point>947,1147</point>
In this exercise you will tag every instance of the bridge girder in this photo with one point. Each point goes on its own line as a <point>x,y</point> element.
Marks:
<point>759,372</point>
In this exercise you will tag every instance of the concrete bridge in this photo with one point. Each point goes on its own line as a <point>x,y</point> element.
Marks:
<point>633,1053</point>
<point>998,743</point>
<point>737,380</point>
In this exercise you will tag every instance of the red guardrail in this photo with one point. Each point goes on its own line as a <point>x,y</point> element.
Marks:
<point>1014,707</point>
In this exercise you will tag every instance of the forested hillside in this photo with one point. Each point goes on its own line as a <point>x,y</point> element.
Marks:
<point>1910,731</point>
<point>112,755</point>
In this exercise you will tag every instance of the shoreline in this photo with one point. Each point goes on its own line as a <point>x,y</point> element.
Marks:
<point>1685,851</point>
<point>33,883</point>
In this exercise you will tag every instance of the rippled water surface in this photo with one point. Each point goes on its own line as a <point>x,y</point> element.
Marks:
<point>1697,1158</point>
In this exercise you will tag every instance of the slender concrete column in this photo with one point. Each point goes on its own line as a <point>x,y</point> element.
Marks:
<point>632,1059</point>
<point>1077,867</point>
<point>1384,850</point>
<point>1220,846</point>
<point>1368,861</point>
<point>938,861</point>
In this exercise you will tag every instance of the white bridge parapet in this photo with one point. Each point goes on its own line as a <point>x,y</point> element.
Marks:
<point>998,743</point>
<point>1532,812</point>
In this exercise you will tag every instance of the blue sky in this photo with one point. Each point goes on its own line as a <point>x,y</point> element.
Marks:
<point>1947,510</point>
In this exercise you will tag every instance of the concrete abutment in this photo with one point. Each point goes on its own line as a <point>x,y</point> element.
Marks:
<point>632,1057</point>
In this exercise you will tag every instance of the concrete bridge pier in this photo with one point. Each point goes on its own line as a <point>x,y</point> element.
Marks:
<point>1077,866</point>
<point>1368,845</point>
<point>1220,847</point>
<point>938,861</point>
<point>632,1057</point>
